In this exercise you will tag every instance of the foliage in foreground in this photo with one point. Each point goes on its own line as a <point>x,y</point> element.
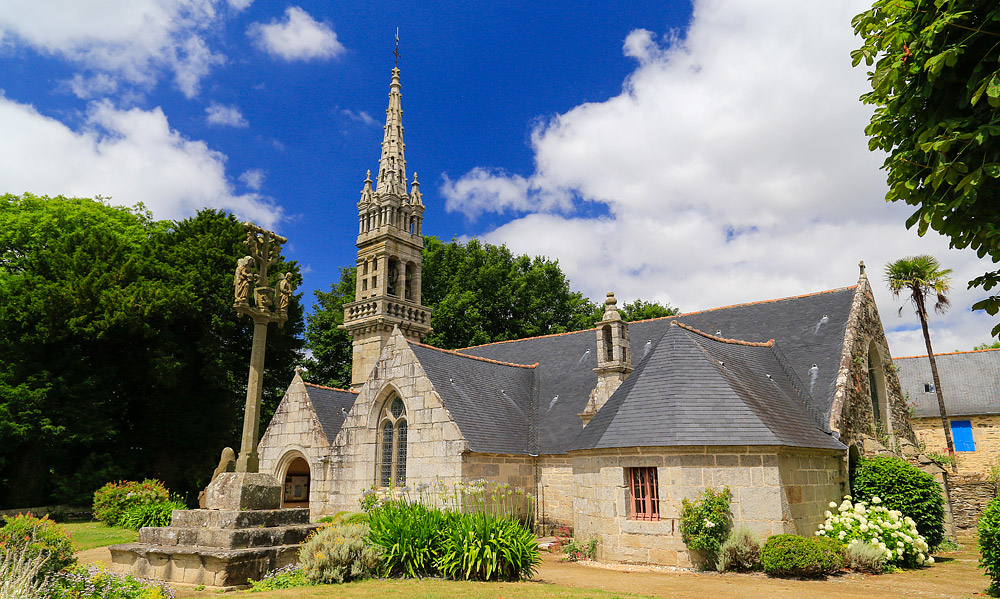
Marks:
<point>894,534</point>
<point>806,557</point>
<point>740,552</point>
<point>150,514</point>
<point>21,573</point>
<point>339,553</point>
<point>288,577</point>
<point>576,550</point>
<point>903,487</point>
<point>865,558</point>
<point>989,544</point>
<point>706,522</point>
<point>95,582</point>
<point>936,92</point>
<point>38,538</point>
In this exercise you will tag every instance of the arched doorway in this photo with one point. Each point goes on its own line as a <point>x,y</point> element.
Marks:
<point>296,490</point>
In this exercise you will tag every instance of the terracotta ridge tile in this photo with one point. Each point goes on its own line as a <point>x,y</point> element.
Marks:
<point>768,343</point>
<point>951,353</point>
<point>767,301</point>
<point>332,388</point>
<point>457,353</point>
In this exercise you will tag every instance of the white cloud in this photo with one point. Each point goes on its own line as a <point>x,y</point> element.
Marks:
<point>131,155</point>
<point>297,37</point>
<point>733,167</point>
<point>220,114</point>
<point>253,178</point>
<point>87,87</point>
<point>240,5</point>
<point>361,117</point>
<point>131,41</point>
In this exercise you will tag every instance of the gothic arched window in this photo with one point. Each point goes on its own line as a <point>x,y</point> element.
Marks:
<point>392,443</point>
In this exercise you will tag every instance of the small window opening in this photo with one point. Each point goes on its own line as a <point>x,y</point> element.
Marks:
<point>644,503</point>
<point>928,387</point>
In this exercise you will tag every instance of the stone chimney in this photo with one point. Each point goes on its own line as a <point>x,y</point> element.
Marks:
<point>614,358</point>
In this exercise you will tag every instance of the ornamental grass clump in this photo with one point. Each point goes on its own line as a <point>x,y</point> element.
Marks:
<point>740,552</point>
<point>409,535</point>
<point>865,558</point>
<point>706,522</point>
<point>339,553</point>
<point>150,514</point>
<point>894,534</point>
<point>20,573</point>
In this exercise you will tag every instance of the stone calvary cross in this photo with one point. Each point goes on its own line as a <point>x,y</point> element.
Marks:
<point>269,305</point>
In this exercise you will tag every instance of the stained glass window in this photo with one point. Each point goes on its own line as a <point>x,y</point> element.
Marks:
<point>392,444</point>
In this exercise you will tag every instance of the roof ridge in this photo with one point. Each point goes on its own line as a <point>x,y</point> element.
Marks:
<point>457,353</point>
<point>631,322</point>
<point>332,388</point>
<point>951,353</point>
<point>768,343</point>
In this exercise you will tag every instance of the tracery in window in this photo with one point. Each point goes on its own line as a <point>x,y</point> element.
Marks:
<point>392,443</point>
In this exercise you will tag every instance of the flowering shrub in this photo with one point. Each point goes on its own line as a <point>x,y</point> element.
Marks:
<point>38,537</point>
<point>576,551</point>
<point>894,534</point>
<point>114,499</point>
<point>94,582</point>
<point>287,577</point>
<point>705,522</point>
<point>338,553</point>
<point>903,487</point>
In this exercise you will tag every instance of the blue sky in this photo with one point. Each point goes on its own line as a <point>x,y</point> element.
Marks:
<point>700,155</point>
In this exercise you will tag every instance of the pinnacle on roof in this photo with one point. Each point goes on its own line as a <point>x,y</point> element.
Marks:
<point>392,164</point>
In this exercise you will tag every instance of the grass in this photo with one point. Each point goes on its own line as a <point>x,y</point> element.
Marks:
<point>429,588</point>
<point>88,535</point>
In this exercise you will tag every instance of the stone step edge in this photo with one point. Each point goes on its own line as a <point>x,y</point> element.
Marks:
<point>142,549</point>
<point>281,527</point>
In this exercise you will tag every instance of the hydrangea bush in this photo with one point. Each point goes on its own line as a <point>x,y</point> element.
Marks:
<point>894,534</point>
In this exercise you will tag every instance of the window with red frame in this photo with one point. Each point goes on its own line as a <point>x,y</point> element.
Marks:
<point>644,504</point>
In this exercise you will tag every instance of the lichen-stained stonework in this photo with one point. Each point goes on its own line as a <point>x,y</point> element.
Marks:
<point>435,445</point>
<point>985,435</point>
<point>775,490</point>
<point>852,414</point>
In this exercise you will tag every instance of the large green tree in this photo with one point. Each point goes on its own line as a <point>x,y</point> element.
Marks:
<point>479,293</point>
<point>120,354</point>
<point>920,278</point>
<point>936,92</point>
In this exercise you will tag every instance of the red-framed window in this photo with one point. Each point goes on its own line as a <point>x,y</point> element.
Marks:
<point>644,502</point>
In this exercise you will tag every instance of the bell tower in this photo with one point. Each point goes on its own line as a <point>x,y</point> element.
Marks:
<point>390,241</point>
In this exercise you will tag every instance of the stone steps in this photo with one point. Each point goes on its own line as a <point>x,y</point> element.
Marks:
<point>225,538</point>
<point>209,566</point>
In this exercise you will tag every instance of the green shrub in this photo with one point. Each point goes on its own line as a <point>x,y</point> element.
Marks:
<point>150,514</point>
<point>338,553</point>
<point>705,522</point>
<point>894,534</point>
<point>865,558</point>
<point>345,517</point>
<point>902,486</point>
<point>832,552</point>
<point>114,499</point>
<point>94,582</point>
<point>989,543</point>
<point>289,577</point>
<point>792,555</point>
<point>740,552</point>
<point>38,536</point>
<point>410,535</point>
<point>482,547</point>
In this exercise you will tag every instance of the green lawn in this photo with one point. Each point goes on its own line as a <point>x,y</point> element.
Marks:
<point>87,535</point>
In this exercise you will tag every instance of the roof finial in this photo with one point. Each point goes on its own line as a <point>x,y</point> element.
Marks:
<point>861,265</point>
<point>396,51</point>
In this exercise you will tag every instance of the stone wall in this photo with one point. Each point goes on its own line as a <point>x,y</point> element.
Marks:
<point>295,431</point>
<point>435,445</point>
<point>985,433</point>
<point>969,495</point>
<point>555,491</point>
<point>775,490</point>
<point>852,414</point>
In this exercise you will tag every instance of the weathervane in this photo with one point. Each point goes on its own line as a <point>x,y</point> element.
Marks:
<point>396,51</point>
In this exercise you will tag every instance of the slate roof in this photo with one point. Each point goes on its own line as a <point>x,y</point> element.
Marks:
<point>491,402</point>
<point>808,330</point>
<point>331,406</point>
<point>696,389</point>
<point>970,382</point>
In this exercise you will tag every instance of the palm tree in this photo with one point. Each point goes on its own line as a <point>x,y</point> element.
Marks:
<point>923,276</point>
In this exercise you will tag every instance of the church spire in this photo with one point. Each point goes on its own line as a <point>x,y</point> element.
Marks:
<point>392,164</point>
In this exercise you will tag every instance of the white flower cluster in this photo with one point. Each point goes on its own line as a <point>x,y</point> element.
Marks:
<point>889,530</point>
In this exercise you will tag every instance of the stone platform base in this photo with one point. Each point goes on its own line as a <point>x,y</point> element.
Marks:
<point>216,548</point>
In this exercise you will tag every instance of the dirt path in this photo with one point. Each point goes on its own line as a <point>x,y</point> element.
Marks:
<point>955,575</point>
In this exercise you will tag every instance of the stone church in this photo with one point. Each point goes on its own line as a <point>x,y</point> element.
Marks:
<point>609,428</point>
